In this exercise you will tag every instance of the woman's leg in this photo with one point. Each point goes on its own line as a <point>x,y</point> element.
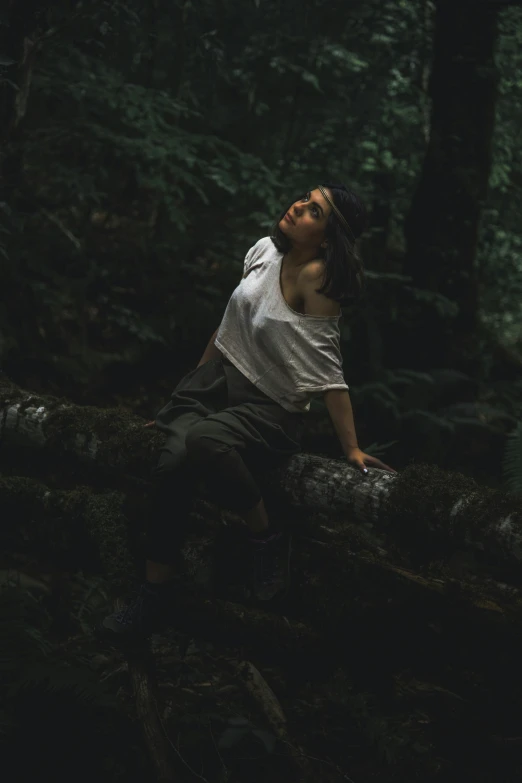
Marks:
<point>230,481</point>
<point>212,453</point>
<point>172,498</point>
<point>232,486</point>
<point>201,392</point>
<point>257,518</point>
<point>169,505</point>
<point>166,522</point>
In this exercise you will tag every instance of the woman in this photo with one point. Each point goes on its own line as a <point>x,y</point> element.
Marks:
<point>277,347</point>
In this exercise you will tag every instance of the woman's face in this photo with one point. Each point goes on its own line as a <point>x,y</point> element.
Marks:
<point>305,221</point>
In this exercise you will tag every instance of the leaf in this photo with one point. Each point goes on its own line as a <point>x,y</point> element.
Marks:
<point>312,79</point>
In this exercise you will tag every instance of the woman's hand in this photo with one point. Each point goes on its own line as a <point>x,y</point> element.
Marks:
<point>359,459</point>
<point>150,424</point>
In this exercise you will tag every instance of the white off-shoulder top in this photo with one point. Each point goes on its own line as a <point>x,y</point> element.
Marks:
<point>289,356</point>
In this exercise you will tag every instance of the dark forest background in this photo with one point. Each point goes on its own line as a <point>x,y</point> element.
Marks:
<point>147,146</point>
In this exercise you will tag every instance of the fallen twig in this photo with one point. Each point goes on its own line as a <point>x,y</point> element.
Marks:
<point>264,697</point>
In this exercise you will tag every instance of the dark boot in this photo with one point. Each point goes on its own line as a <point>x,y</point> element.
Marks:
<point>146,613</point>
<point>270,567</point>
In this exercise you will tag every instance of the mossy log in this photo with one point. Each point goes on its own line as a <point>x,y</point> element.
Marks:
<point>425,512</point>
<point>336,593</point>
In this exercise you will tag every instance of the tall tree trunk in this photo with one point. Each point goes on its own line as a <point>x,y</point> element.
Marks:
<point>376,248</point>
<point>20,38</point>
<point>443,222</point>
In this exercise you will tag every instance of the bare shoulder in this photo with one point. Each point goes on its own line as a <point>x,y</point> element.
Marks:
<point>312,272</point>
<point>309,280</point>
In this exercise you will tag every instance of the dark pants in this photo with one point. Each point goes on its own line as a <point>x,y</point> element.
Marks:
<point>219,427</point>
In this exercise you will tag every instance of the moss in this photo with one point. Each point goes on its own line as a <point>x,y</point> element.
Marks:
<point>417,516</point>
<point>334,584</point>
<point>108,526</point>
<point>10,393</point>
<point>75,527</point>
<point>119,438</point>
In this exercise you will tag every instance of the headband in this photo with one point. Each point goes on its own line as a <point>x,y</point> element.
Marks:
<point>337,212</point>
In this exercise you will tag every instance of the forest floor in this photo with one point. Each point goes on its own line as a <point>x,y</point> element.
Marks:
<point>450,717</point>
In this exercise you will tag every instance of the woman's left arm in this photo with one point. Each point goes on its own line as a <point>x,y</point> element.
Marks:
<point>337,401</point>
<point>339,407</point>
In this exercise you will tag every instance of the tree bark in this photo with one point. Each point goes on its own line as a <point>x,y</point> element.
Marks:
<point>89,530</point>
<point>344,583</point>
<point>425,511</point>
<point>443,222</point>
<point>337,593</point>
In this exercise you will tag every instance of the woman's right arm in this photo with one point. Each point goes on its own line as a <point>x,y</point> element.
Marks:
<point>211,352</point>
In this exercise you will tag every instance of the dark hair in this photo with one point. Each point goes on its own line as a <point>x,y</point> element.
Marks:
<point>344,276</point>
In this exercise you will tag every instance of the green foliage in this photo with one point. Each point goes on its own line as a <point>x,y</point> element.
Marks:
<point>500,247</point>
<point>143,135</point>
<point>161,140</point>
<point>500,255</point>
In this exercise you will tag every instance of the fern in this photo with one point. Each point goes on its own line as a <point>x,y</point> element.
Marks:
<point>146,132</point>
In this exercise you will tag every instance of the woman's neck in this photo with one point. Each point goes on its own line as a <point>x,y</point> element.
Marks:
<point>298,256</point>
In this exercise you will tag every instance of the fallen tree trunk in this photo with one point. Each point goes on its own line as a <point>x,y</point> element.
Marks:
<point>73,528</point>
<point>425,511</point>
<point>332,585</point>
<point>363,612</point>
